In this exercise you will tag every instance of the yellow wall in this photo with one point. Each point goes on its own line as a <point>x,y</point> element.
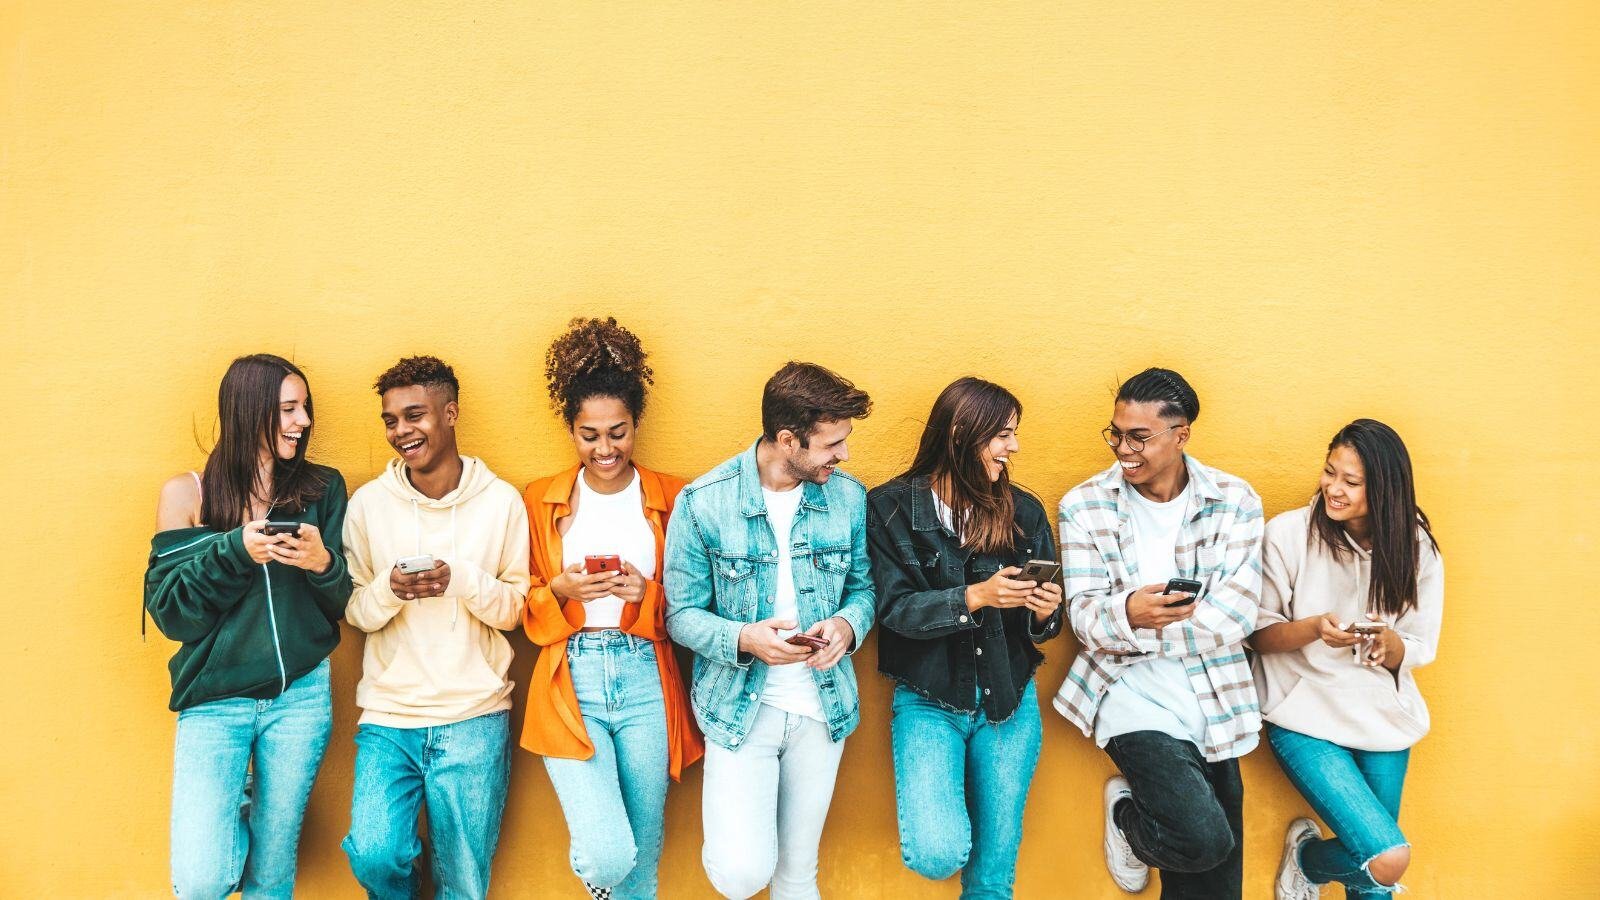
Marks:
<point>1315,212</point>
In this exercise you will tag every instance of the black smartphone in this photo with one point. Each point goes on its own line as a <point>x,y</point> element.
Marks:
<point>1039,571</point>
<point>1183,586</point>
<point>292,529</point>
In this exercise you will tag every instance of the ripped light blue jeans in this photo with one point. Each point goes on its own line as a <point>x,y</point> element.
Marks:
<point>1357,793</point>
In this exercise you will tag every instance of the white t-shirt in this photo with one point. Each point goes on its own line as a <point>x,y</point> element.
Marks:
<point>789,687</point>
<point>1154,694</point>
<point>610,525</point>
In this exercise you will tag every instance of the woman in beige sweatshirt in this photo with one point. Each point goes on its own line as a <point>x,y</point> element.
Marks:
<point>1352,596</point>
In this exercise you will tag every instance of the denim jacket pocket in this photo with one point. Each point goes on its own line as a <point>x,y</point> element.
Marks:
<point>735,586</point>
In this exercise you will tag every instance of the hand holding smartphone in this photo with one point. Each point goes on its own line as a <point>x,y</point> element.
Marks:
<point>801,639</point>
<point>411,565</point>
<point>597,563</point>
<point>1183,586</point>
<point>292,529</point>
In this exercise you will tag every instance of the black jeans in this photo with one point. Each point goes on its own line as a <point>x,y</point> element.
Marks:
<point>1186,816</point>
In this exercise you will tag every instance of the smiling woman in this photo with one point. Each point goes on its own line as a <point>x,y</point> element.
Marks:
<point>250,631</point>
<point>597,608</point>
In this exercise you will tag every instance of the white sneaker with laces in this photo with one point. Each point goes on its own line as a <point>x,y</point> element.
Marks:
<point>1292,881</point>
<point>1126,870</point>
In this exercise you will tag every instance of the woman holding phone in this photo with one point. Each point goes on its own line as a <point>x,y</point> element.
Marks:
<point>1353,595</point>
<point>950,539</point>
<point>246,573</point>
<point>606,706</point>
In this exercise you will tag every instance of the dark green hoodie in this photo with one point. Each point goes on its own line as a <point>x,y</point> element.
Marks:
<point>248,629</point>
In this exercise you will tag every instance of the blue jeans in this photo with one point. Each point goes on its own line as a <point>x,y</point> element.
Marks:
<point>614,801</point>
<point>234,829</point>
<point>960,786</point>
<point>1357,793</point>
<point>461,771</point>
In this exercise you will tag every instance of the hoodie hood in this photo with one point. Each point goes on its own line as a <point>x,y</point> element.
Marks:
<point>475,479</point>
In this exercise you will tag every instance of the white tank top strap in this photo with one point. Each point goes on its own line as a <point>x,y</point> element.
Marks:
<point>199,485</point>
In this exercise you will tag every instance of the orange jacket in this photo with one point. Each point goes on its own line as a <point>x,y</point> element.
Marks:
<point>554,725</point>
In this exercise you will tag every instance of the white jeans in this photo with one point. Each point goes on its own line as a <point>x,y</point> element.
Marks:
<point>764,806</point>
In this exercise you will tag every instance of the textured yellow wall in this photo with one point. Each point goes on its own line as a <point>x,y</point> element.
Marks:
<point>1315,213</point>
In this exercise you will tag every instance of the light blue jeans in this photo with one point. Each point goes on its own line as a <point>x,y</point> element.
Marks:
<point>960,785</point>
<point>1357,793</point>
<point>614,800</point>
<point>242,771</point>
<point>461,771</point>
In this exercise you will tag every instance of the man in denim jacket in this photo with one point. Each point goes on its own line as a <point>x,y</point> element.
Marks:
<point>767,546</point>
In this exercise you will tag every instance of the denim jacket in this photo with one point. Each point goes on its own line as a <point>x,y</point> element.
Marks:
<point>930,641</point>
<point>721,568</point>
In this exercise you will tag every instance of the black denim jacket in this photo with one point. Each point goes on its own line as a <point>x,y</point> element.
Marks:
<point>928,640</point>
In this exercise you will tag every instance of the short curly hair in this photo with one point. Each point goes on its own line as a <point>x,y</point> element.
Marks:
<point>428,371</point>
<point>596,358</point>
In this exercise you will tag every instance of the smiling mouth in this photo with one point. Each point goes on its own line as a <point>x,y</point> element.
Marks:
<point>292,438</point>
<point>1129,465</point>
<point>409,447</point>
<point>607,461</point>
<point>1338,504</point>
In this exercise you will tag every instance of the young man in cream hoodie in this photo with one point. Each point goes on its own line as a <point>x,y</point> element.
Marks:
<point>434,695</point>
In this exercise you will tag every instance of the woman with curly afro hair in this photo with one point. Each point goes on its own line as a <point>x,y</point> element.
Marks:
<point>606,707</point>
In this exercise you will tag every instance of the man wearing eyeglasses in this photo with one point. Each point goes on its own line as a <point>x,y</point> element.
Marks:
<point>1162,684</point>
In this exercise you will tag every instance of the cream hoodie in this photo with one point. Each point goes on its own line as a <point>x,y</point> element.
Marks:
<point>441,659</point>
<point>1323,692</point>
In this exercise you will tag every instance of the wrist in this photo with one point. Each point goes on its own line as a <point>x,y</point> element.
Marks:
<point>324,564</point>
<point>973,598</point>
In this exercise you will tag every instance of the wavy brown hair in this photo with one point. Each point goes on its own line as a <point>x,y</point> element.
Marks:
<point>967,415</point>
<point>247,409</point>
<point>596,358</point>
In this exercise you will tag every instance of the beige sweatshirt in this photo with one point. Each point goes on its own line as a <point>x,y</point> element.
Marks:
<point>1322,691</point>
<point>441,659</point>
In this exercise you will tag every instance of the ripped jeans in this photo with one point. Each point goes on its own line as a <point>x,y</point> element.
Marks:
<point>1357,793</point>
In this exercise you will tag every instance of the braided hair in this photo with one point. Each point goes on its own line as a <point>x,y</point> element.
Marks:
<point>596,358</point>
<point>1163,386</point>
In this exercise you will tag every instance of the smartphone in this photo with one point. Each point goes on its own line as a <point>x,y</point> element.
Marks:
<point>411,565</point>
<point>594,565</point>
<point>292,529</point>
<point>1367,628</point>
<point>801,639</point>
<point>1183,586</point>
<point>1039,571</point>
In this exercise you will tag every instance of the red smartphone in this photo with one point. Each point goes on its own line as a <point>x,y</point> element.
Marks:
<point>801,639</point>
<point>594,565</point>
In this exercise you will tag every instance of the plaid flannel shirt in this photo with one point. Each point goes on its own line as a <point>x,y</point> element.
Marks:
<point>1219,545</point>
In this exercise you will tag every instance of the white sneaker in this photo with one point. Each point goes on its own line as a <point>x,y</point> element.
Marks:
<point>1126,870</point>
<point>1292,881</point>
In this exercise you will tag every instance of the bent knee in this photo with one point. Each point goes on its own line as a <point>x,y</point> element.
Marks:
<point>204,885</point>
<point>1387,867</point>
<point>935,860</point>
<point>739,876</point>
<point>1199,849</point>
<point>607,868</point>
<point>375,863</point>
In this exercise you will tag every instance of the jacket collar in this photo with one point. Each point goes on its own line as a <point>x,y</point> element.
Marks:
<point>559,494</point>
<point>751,500</point>
<point>924,516</point>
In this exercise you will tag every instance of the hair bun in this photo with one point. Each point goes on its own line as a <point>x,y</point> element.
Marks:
<point>595,353</point>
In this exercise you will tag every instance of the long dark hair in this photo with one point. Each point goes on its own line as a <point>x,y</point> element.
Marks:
<point>967,415</point>
<point>247,409</point>
<point>1392,515</point>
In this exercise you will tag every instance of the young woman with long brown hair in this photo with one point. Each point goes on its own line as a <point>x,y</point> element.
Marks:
<point>948,539</point>
<point>246,573</point>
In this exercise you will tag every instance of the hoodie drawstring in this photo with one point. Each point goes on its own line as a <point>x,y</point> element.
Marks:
<point>455,553</point>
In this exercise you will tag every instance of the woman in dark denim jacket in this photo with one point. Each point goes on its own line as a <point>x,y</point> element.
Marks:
<point>947,540</point>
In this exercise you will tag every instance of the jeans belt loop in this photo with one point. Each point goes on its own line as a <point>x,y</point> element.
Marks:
<point>575,645</point>
<point>633,646</point>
